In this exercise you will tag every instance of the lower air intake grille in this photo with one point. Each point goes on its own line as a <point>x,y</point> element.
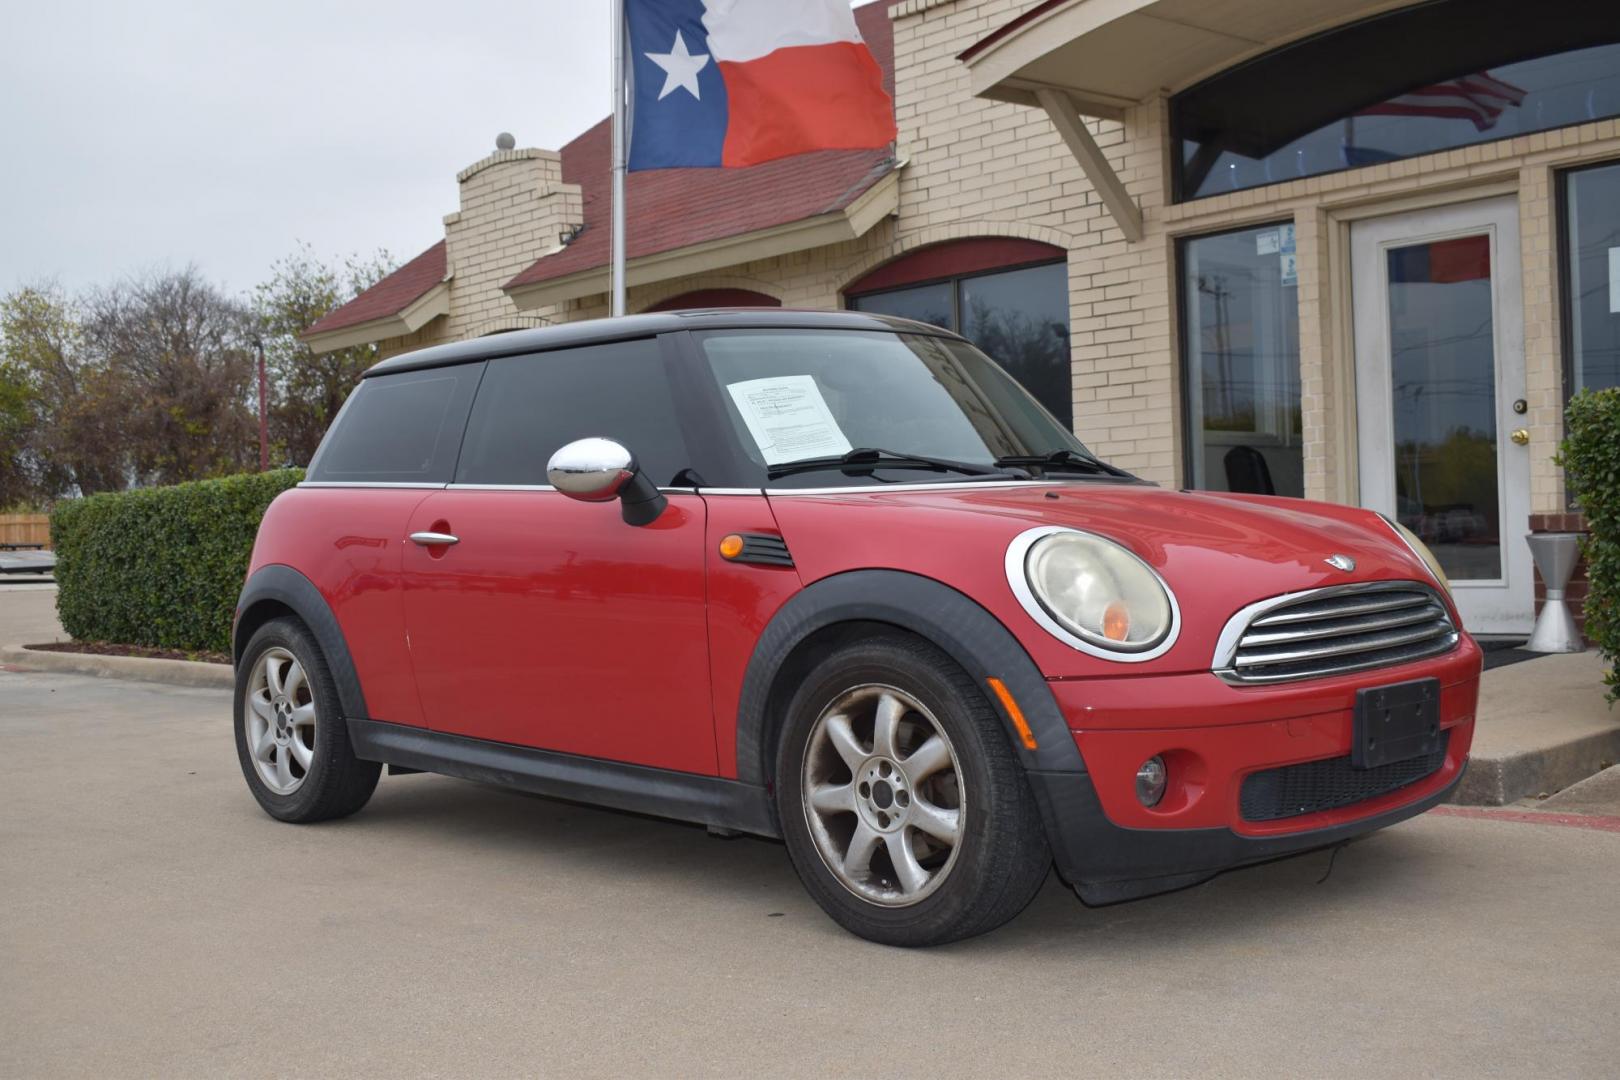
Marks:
<point>1314,786</point>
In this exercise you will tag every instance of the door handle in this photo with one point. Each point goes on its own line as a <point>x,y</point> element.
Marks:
<point>434,539</point>
<point>1520,436</point>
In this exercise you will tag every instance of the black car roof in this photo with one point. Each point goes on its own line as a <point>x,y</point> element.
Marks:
<point>594,331</point>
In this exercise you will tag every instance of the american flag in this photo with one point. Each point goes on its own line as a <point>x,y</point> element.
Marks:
<point>1477,98</point>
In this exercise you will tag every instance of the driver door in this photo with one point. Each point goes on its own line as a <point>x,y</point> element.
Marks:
<point>549,622</point>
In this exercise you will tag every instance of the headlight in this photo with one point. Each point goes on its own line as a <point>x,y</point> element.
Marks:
<point>1421,550</point>
<point>1092,593</point>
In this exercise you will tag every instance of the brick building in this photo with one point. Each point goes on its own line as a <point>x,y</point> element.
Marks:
<point>1355,250</point>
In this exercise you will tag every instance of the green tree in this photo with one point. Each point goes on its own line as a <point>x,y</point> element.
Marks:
<point>18,487</point>
<point>308,387</point>
<point>61,411</point>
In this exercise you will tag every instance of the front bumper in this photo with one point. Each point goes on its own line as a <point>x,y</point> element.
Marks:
<point>1212,736</point>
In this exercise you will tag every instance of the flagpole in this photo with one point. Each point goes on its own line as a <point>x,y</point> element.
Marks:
<point>616,306</point>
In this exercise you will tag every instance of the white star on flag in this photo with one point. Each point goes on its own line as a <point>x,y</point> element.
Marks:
<point>680,68</point>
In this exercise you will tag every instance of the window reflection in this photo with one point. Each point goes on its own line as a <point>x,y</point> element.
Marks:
<point>1241,313</point>
<point>1592,254</point>
<point>1427,78</point>
<point>1019,317</point>
<point>1443,372</point>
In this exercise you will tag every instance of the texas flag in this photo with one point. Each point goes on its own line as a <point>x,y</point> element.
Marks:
<point>737,82</point>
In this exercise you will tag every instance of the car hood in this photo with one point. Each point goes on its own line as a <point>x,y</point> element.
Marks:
<point>1218,552</point>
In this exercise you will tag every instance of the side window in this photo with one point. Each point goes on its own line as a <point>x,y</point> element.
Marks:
<point>529,406</point>
<point>399,429</point>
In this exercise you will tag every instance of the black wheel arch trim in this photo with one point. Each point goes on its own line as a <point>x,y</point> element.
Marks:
<point>949,619</point>
<point>286,587</point>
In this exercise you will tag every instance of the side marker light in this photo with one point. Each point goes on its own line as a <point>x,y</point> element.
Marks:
<point>1014,712</point>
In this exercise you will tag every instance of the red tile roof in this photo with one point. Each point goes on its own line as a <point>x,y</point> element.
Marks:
<point>389,296</point>
<point>676,208</point>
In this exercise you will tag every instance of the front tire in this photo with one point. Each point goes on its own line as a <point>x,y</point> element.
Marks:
<point>291,738</point>
<point>904,809</point>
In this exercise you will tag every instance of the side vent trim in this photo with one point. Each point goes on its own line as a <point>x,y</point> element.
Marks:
<point>764,549</point>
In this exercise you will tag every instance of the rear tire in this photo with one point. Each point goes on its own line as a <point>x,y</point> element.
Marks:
<point>291,739</point>
<point>905,811</point>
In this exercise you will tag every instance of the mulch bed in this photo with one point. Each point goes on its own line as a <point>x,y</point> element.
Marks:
<point>105,648</point>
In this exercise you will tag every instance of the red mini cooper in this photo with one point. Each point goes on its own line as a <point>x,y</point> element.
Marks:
<point>835,578</point>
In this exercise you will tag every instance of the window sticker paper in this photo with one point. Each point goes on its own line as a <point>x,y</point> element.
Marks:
<point>788,418</point>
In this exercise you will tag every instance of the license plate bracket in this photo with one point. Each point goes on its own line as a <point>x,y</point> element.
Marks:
<point>1395,722</point>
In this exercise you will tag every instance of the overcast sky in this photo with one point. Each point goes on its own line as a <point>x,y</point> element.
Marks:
<point>150,133</point>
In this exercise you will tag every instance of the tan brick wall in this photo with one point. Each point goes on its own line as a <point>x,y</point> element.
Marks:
<point>514,208</point>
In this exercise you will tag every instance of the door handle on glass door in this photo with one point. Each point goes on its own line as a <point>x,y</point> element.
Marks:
<point>434,539</point>
<point>1521,436</point>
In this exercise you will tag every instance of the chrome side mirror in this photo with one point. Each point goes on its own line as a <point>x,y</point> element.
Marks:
<point>600,470</point>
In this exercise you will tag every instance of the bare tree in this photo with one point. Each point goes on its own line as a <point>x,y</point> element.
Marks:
<point>179,349</point>
<point>310,387</point>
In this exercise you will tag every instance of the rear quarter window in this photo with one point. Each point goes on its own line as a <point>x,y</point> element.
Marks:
<point>399,429</point>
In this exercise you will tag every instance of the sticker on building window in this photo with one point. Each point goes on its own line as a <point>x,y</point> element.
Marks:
<point>788,418</point>
<point>1278,241</point>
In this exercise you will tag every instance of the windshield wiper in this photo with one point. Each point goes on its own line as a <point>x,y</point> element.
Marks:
<point>1063,461</point>
<point>867,458</point>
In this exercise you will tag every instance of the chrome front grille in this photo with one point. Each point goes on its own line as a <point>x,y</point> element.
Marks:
<point>1332,631</point>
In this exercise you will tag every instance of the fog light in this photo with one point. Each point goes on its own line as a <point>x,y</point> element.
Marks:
<point>1150,781</point>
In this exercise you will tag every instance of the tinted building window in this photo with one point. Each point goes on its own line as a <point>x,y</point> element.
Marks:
<point>1592,265</point>
<point>530,406</point>
<point>1414,81</point>
<point>1019,317</point>
<point>399,429</point>
<point>1240,318</point>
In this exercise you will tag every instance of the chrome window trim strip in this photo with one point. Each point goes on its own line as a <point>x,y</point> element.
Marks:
<point>369,484</point>
<point>873,489</point>
<point>549,487</point>
<point>1232,633</point>
<point>1018,579</point>
<point>459,487</point>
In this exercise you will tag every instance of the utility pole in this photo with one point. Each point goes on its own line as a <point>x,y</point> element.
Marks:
<point>264,410</point>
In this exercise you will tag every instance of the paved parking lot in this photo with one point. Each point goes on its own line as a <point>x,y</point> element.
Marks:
<point>155,922</point>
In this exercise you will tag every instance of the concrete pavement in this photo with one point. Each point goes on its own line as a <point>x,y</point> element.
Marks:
<point>28,614</point>
<point>154,922</point>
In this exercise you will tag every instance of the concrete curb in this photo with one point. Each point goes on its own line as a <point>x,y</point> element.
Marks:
<point>168,672</point>
<point>1498,781</point>
<point>1542,726</point>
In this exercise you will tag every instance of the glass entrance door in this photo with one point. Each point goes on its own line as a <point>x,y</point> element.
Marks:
<point>1440,393</point>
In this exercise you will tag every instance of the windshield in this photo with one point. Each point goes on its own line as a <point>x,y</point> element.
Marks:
<point>800,396</point>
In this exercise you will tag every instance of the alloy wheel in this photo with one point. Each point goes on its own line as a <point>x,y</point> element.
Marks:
<point>279,721</point>
<point>883,796</point>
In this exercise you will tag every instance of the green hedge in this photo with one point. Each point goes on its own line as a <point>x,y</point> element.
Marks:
<point>160,566</point>
<point>1591,459</point>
